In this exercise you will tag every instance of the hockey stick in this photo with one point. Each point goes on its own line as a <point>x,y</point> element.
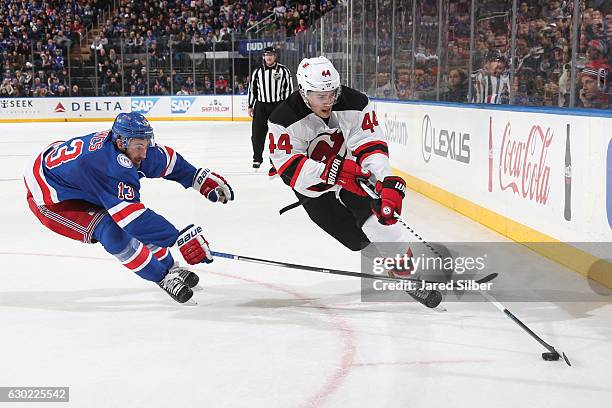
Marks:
<point>484,279</point>
<point>367,188</point>
<point>551,355</point>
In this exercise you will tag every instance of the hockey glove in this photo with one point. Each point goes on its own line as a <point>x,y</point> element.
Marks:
<point>212,186</point>
<point>193,245</point>
<point>345,173</point>
<point>391,191</point>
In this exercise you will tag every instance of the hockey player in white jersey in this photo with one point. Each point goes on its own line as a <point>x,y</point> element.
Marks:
<point>324,139</point>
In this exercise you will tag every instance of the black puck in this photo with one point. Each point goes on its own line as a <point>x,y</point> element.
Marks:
<point>550,356</point>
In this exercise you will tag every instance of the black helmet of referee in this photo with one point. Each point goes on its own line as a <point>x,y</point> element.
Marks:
<point>269,50</point>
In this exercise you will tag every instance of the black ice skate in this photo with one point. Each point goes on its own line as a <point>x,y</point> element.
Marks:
<point>174,286</point>
<point>429,298</point>
<point>189,278</point>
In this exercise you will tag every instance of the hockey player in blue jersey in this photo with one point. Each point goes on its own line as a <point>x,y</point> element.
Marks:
<point>88,188</point>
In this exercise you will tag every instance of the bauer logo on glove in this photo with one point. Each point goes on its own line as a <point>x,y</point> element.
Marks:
<point>193,245</point>
<point>192,233</point>
<point>212,186</point>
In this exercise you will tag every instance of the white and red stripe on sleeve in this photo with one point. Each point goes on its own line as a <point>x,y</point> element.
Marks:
<point>125,212</point>
<point>170,159</point>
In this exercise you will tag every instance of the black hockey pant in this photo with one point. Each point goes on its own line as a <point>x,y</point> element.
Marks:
<point>261,113</point>
<point>342,220</point>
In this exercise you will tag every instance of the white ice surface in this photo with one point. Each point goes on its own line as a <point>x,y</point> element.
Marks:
<point>70,315</point>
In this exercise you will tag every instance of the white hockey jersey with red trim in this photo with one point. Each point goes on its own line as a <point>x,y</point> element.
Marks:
<point>300,142</point>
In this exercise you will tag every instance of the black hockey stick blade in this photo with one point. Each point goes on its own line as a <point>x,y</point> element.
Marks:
<point>566,359</point>
<point>487,278</point>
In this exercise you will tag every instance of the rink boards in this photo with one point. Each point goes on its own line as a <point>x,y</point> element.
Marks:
<point>206,107</point>
<point>532,176</point>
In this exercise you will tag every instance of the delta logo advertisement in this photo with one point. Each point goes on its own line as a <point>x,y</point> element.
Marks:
<point>181,104</point>
<point>143,105</point>
<point>89,106</point>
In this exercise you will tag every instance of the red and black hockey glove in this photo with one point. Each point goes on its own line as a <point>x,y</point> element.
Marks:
<point>212,186</point>
<point>193,245</point>
<point>345,173</point>
<point>392,191</point>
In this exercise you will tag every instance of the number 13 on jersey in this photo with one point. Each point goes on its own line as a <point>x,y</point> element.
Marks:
<point>283,143</point>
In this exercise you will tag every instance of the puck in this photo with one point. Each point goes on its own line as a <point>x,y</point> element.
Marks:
<point>550,356</point>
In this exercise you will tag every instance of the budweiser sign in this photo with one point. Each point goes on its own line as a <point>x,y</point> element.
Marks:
<point>523,166</point>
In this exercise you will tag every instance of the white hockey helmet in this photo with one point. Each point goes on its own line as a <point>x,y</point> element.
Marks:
<point>319,75</point>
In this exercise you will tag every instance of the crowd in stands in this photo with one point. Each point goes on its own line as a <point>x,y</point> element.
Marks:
<point>36,36</point>
<point>34,40</point>
<point>154,28</point>
<point>542,61</point>
<point>132,53</point>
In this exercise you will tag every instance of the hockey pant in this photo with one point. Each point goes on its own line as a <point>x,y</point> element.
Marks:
<point>349,219</point>
<point>261,113</point>
<point>85,222</point>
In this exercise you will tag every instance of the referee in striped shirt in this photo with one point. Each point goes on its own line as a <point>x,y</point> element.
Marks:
<point>270,85</point>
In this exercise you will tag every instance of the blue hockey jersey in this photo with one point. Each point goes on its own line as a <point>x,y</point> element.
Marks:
<point>91,168</point>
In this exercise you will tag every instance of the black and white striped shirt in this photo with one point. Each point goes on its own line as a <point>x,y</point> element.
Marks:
<point>270,84</point>
<point>491,88</point>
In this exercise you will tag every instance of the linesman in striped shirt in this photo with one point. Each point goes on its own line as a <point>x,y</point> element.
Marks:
<point>270,85</point>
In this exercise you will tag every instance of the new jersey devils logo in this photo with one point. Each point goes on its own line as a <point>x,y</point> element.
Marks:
<point>327,145</point>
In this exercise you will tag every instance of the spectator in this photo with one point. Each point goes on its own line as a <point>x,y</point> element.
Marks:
<point>596,55</point>
<point>592,93</point>
<point>301,26</point>
<point>457,86</point>
<point>113,88</point>
<point>183,91</point>
<point>221,85</point>
<point>241,89</point>
<point>279,10</point>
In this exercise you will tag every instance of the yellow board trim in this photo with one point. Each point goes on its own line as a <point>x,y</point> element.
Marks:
<point>562,253</point>
<point>163,118</point>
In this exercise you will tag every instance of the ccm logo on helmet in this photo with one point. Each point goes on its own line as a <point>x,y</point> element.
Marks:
<point>189,236</point>
<point>326,73</point>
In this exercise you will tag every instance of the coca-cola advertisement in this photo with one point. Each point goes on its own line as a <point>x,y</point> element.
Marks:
<point>522,160</point>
